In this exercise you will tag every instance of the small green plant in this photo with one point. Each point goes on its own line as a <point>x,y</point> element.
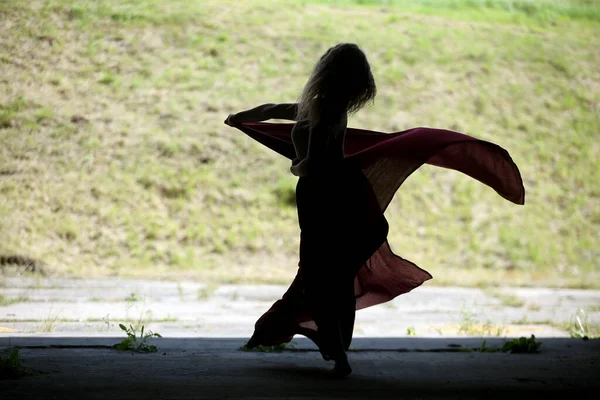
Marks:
<point>11,365</point>
<point>49,323</point>
<point>278,348</point>
<point>206,292</point>
<point>106,320</point>
<point>579,325</point>
<point>483,349</point>
<point>522,345</point>
<point>135,343</point>
<point>132,298</point>
<point>410,331</point>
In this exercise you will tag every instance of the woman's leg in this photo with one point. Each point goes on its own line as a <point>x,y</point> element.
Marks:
<point>330,297</point>
<point>347,313</point>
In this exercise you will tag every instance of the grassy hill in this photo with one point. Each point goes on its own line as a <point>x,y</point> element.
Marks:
<point>114,159</point>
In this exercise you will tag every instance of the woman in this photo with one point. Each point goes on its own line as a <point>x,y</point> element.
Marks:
<point>347,178</point>
<point>328,191</point>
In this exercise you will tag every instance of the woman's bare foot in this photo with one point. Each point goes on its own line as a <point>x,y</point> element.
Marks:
<point>342,367</point>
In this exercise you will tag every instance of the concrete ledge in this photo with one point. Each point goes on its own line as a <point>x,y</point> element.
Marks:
<point>413,344</point>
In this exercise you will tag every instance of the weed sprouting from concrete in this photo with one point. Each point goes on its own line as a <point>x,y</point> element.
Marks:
<point>278,348</point>
<point>522,345</point>
<point>206,292</point>
<point>106,321</point>
<point>49,324</point>
<point>484,349</point>
<point>135,343</point>
<point>579,328</point>
<point>132,298</point>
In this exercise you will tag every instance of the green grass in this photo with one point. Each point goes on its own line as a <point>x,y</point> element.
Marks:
<point>525,321</point>
<point>49,324</point>
<point>470,325</point>
<point>205,293</point>
<point>115,160</point>
<point>132,298</point>
<point>508,300</point>
<point>541,12</point>
<point>7,301</point>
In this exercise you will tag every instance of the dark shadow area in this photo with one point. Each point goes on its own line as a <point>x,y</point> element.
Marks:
<point>299,343</point>
<point>196,368</point>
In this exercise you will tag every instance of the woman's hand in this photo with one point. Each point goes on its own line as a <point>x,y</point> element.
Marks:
<point>231,120</point>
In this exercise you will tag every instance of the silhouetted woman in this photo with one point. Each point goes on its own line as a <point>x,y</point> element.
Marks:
<point>333,246</point>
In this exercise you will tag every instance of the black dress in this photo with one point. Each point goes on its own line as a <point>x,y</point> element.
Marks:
<point>341,227</point>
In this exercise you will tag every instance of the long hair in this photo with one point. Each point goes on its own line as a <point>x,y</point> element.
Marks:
<point>341,80</point>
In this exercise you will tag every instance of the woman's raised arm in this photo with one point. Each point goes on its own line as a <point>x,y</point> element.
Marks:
<point>264,112</point>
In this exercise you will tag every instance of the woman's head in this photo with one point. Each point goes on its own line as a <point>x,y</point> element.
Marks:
<point>342,77</point>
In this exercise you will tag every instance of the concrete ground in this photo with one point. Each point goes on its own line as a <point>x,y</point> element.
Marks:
<point>209,368</point>
<point>65,331</point>
<point>193,309</point>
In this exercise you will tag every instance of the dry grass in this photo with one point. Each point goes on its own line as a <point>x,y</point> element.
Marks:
<point>115,160</point>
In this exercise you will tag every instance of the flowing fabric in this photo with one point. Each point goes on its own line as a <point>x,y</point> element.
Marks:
<point>384,160</point>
